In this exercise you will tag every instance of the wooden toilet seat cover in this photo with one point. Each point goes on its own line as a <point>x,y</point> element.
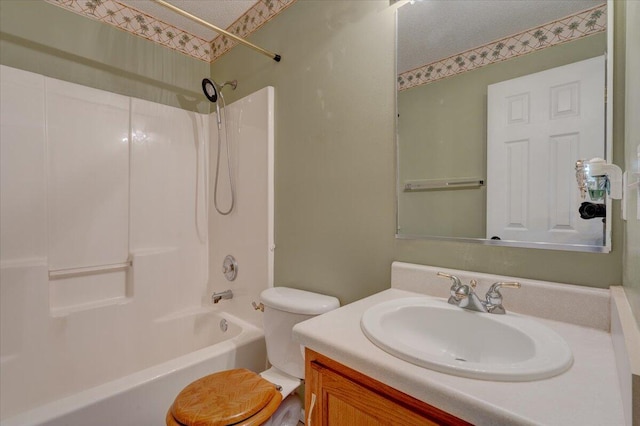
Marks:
<point>226,398</point>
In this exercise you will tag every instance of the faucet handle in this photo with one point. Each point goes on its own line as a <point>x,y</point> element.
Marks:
<point>454,298</point>
<point>504,284</point>
<point>456,280</point>
<point>494,297</point>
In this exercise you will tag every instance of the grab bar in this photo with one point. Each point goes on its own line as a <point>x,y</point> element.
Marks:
<point>426,185</point>
<point>56,274</point>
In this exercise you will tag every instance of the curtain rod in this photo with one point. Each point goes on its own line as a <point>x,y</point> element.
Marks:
<point>272,55</point>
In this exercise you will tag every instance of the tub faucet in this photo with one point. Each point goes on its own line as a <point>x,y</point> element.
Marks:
<point>216,297</point>
<point>465,296</point>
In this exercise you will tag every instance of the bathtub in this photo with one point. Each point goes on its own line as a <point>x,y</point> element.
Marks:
<point>198,346</point>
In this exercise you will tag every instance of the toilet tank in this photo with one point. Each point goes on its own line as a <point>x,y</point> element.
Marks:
<point>283,308</point>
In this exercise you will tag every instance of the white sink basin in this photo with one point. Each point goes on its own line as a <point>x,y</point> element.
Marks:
<point>431,333</point>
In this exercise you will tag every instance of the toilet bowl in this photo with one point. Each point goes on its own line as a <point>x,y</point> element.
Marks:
<point>242,397</point>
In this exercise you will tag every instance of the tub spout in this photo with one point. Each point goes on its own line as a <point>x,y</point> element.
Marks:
<point>216,297</point>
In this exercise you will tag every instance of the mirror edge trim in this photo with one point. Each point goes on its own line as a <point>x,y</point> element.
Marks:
<point>510,243</point>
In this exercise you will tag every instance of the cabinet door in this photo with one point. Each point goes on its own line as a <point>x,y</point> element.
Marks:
<point>339,401</point>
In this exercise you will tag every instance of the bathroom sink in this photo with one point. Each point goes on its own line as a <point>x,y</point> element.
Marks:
<point>431,333</point>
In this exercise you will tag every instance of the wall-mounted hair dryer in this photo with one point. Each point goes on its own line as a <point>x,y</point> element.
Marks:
<point>598,178</point>
<point>589,210</point>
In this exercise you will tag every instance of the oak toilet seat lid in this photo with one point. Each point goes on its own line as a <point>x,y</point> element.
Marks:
<point>226,398</point>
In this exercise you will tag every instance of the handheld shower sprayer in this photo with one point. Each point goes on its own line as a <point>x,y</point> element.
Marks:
<point>212,91</point>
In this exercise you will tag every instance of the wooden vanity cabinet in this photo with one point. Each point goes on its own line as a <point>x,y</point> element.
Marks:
<point>336,395</point>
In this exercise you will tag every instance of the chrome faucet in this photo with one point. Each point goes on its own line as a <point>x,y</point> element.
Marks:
<point>465,296</point>
<point>216,297</point>
<point>454,287</point>
<point>493,302</point>
<point>468,299</point>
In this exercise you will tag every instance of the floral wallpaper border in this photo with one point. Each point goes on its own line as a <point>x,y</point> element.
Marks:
<point>259,14</point>
<point>590,21</point>
<point>129,19</point>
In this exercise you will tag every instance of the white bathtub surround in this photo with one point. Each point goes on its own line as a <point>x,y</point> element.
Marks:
<point>99,181</point>
<point>247,232</point>
<point>587,394</point>
<point>87,134</point>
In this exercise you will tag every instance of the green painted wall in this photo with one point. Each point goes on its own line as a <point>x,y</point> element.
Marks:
<point>335,159</point>
<point>443,134</point>
<point>334,171</point>
<point>42,38</point>
<point>335,148</point>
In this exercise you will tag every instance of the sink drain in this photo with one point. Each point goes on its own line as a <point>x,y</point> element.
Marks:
<point>461,359</point>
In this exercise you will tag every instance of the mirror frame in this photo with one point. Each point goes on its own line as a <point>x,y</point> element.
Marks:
<point>606,248</point>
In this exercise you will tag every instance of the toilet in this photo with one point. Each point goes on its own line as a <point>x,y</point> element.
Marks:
<point>242,397</point>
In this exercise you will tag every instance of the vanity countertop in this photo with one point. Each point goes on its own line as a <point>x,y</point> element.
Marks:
<point>587,394</point>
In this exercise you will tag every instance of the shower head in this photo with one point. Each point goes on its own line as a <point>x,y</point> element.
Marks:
<point>211,88</point>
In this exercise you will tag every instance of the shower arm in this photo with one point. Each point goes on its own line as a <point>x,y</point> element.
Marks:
<point>179,11</point>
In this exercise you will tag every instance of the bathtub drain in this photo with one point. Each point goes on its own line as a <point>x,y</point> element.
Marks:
<point>223,325</point>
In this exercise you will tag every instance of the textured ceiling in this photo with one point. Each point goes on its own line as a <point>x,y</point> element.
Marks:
<point>431,30</point>
<point>221,13</point>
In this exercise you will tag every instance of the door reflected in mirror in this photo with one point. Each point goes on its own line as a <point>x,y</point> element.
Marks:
<point>494,109</point>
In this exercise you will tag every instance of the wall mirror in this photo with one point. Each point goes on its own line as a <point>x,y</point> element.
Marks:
<point>496,100</point>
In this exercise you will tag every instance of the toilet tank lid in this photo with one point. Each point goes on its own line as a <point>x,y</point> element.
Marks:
<point>298,301</point>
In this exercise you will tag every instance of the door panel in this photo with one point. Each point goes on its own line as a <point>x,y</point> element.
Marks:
<point>537,127</point>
